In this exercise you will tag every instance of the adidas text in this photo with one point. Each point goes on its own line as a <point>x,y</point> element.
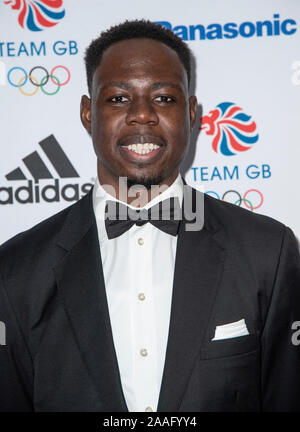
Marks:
<point>34,193</point>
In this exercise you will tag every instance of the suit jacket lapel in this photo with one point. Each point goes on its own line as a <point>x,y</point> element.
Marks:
<point>198,268</point>
<point>81,283</point>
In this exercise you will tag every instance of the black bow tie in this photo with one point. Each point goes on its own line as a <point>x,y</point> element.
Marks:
<point>164,215</point>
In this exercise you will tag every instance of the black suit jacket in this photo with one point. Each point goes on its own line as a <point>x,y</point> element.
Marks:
<point>59,353</point>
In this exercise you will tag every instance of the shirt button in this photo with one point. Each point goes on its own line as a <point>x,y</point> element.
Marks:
<point>141,296</point>
<point>149,409</point>
<point>143,352</point>
<point>140,241</point>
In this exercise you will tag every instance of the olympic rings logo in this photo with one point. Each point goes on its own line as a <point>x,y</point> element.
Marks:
<point>247,199</point>
<point>38,84</point>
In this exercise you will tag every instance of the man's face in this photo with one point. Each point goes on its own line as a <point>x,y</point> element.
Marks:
<point>139,104</point>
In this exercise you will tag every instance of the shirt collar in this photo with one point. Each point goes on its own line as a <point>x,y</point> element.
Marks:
<point>100,196</point>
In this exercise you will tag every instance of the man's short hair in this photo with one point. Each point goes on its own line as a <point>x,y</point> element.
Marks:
<point>132,30</point>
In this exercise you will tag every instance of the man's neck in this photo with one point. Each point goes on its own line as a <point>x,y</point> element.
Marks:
<point>136,195</point>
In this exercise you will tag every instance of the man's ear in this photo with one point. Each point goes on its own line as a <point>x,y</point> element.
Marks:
<point>85,113</point>
<point>193,104</point>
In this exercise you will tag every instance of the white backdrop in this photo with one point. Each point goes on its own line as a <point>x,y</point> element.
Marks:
<point>247,54</point>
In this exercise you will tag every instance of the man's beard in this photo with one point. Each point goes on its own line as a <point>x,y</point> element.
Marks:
<point>147,182</point>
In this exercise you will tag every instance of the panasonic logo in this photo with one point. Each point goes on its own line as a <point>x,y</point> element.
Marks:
<point>232,30</point>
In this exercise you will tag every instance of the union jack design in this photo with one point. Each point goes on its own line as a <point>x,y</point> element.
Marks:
<point>233,131</point>
<point>36,15</point>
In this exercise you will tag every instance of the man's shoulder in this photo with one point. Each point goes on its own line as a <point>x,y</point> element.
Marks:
<point>44,230</point>
<point>239,222</point>
<point>249,238</point>
<point>41,237</point>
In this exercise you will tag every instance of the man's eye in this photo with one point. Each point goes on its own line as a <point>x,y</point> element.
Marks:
<point>119,99</point>
<point>164,99</point>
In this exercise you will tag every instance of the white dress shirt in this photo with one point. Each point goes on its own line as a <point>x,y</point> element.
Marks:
<point>138,269</point>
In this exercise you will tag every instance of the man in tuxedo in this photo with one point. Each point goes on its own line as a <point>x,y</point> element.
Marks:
<point>105,313</point>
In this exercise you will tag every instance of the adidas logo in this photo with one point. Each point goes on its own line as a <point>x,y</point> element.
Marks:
<point>37,167</point>
<point>40,170</point>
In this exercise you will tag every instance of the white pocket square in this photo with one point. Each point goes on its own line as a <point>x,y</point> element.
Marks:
<point>231,330</point>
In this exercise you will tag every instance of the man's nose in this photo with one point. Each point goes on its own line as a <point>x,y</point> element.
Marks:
<point>142,111</point>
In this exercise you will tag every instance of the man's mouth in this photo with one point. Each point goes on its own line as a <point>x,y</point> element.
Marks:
<point>142,148</point>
